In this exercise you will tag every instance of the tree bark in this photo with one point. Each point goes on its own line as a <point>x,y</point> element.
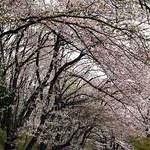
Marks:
<point>10,143</point>
<point>31,143</point>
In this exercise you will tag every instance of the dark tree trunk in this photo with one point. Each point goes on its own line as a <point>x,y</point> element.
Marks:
<point>42,146</point>
<point>60,147</point>
<point>35,138</point>
<point>10,143</point>
<point>31,143</point>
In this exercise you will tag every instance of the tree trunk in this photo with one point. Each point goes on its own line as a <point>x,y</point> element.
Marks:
<point>38,132</point>
<point>10,143</point>
<point>42,146</point>
<point>31,143</point>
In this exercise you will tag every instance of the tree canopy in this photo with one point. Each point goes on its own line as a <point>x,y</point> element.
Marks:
<point>74,73</point>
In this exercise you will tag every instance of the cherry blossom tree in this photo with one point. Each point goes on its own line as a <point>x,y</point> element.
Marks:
<point>48,85</point>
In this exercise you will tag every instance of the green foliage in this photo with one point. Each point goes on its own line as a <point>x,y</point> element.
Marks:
<point>141,143</point>
<point>89,146</point>
<point>23,140</point>
<point>2,138</point>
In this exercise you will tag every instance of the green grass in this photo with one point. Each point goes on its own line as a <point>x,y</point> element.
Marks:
<point>141,143</point>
